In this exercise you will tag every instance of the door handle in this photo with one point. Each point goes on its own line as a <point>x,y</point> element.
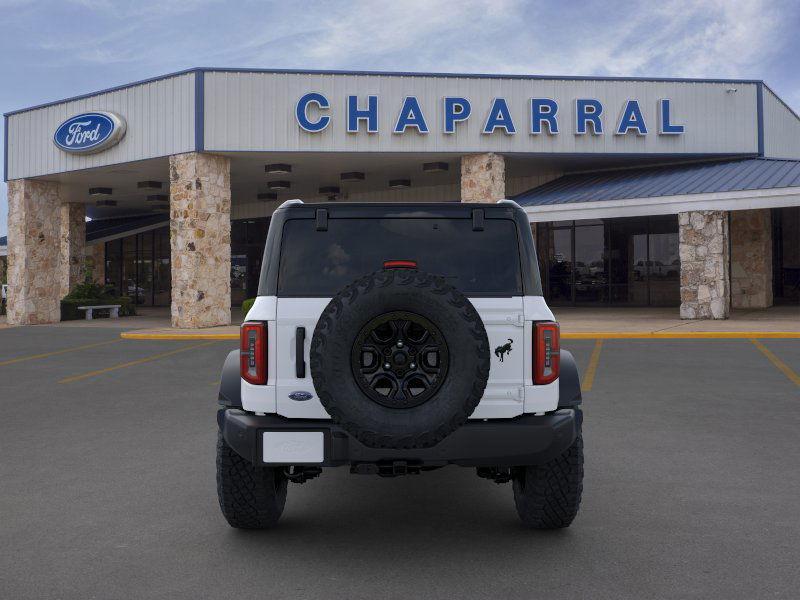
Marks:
<point>299,352</point>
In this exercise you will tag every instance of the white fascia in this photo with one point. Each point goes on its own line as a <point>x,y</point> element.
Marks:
<point>665,205</point>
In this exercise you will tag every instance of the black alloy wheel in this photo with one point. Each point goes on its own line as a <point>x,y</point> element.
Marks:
<point>400,359</point>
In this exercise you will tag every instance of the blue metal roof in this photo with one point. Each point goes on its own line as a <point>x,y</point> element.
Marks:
<point>119,227</point>
<point>671,180</point>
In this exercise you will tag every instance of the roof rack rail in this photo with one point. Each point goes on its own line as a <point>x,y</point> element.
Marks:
<point>507,201</point>
<point>292,202</point>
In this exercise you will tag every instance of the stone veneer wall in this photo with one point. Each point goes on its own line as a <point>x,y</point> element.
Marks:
<point>96,259</point>
<point>751,258</point>
<point>34,242</point>
<point>703,246</point>
<point>200,239</point>
<point>72,243</point>
<point>483,177</point>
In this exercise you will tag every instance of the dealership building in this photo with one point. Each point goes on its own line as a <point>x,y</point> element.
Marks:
<point>640,192</point>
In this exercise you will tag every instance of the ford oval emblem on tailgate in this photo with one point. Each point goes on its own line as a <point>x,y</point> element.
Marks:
<point>301,396</point>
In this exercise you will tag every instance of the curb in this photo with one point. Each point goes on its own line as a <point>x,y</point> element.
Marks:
<point>591,335</point>
<point>686,335</point>
<point>130,335</point>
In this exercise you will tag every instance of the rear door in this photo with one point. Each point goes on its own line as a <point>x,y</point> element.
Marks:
<point>295,323</point>
<point>484,264</point>
<point>504,321</point>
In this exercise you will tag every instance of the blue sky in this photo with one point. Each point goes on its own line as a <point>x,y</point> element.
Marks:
<point>52,50</point>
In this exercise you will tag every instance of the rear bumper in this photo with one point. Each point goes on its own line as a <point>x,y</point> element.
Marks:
<point>524,440</point>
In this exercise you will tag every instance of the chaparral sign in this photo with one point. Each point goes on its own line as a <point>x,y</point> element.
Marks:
<point>588,116</point>
<point>90,132</point>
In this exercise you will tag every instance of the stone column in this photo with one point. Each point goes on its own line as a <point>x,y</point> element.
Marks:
<point>72,246</point>
<point>483,177</point>
<point>703,246</point>
<point>751,258</point>
<point>200,239</point>
<point>96,257</point>
<point>34,244</point>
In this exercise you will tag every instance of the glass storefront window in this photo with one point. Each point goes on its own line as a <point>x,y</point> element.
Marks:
<point>139,265</point>
<point>162,276</point>
<point>786,255</point>
<point>591,273</point>
<point>559,273</point>
<point>630,262</point>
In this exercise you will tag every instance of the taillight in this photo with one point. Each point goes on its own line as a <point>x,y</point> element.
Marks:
<point>253,352</point>
<point>546,352</point>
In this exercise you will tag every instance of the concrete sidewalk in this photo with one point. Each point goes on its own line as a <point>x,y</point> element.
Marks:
<point>576,323</point>
<point>579,322</point>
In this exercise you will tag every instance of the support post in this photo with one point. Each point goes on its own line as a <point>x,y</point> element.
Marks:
<point>200,239</point>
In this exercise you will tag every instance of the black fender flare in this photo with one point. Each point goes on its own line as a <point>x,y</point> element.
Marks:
<point>569,382</point>
<point>230,383</point>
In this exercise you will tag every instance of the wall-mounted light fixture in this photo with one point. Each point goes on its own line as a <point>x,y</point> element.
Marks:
<point>149,185</point>
<point>399,183</point>
<point>158,198</point>
<point>352,176</point>
<point>106,203</point>
<point>278,168</point>
<point>100,191</point>
<point>279,185</point>
<point>267,196</point>
<point>435,167</point>
<point>328,190</point>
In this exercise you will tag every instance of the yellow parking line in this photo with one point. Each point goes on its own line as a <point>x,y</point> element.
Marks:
<point>54,353</point>
<point>588,377</point>
<point>132,363</point>
<point>687,335</point>
<point>584,335</point>
<point>779,364</point>
<point>128,335</point>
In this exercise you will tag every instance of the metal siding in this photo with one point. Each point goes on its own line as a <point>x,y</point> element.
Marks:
<point>159,116</point>
<point>700,178</point>
<point>248,111</point>
<point>781,128</point>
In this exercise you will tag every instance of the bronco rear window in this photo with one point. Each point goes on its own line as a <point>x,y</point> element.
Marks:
<point>320,263</point>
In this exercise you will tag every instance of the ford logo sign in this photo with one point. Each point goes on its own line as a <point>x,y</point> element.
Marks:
<point>301,396</point>
<point>90,132</point>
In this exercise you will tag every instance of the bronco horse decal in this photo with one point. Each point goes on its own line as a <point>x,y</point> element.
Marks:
<point>501,351</point>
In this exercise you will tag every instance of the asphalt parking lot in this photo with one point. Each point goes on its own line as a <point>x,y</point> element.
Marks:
<point>107,490</point>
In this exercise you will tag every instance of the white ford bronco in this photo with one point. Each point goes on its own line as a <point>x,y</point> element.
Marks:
<point>396,339</point>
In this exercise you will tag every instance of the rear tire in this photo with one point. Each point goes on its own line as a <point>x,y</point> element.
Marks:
<point>548,496</point>
<point>250,497</point>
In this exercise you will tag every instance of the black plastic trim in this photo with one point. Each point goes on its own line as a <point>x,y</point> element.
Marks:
<point>477,219</point>
<point>569,382</point>
<point>230,385</point>
<point>524,440</point>
<point>299,352</point>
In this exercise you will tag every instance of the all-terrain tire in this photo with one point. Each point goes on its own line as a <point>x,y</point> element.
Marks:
<point>548,496</point>
<point>250,497</point>
<point>411,291</point>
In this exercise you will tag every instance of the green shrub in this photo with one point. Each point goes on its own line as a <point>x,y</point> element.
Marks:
<point>247,305</point>
<point>70,312</point>
<point>90,293</point>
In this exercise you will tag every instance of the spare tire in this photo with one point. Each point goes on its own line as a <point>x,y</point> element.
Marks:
<point>400,359</point>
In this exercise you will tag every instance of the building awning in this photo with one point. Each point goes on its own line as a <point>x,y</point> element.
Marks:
<point>720,185</point>
<point>105,230</point>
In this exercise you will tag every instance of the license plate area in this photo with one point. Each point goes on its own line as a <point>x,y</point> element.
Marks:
<point>293,447</point>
